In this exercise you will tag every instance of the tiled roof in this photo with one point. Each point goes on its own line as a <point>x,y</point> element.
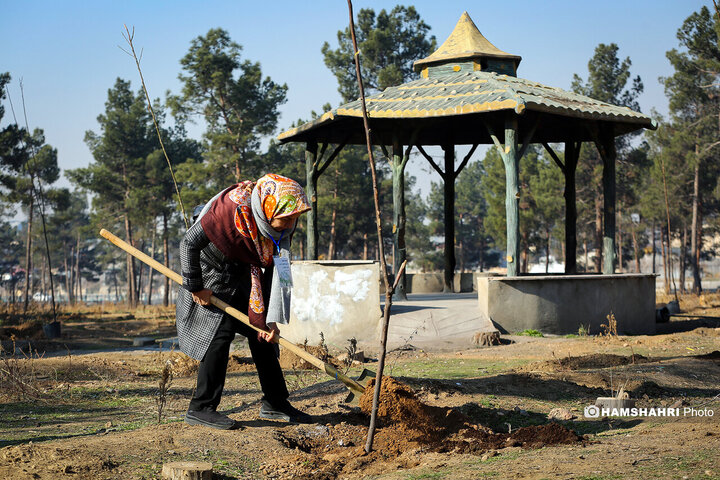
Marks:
<point>464,42</point>
<point>472,93</point>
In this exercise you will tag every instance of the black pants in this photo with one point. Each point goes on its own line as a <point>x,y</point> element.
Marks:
<point>213,367</point>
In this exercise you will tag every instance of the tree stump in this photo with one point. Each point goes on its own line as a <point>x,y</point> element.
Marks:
<point>483,339</point>
<point>187,471</point>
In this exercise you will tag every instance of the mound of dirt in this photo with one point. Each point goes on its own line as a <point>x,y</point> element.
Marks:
<point>651,389</point>
<point>445,429</point>
<point>714,355</point>
<point>596,360</point>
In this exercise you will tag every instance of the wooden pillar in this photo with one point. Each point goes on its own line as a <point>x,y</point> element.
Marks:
<point>609,154</point>
<point>399,250</point>
<point>311,175</point>
<point>511,159</point>
<point>572,153</point>
<point>449,204</point>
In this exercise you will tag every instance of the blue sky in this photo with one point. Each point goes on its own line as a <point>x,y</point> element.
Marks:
<point>67,52</point>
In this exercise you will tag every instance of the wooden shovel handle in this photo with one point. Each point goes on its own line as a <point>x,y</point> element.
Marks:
<point>234,312</point>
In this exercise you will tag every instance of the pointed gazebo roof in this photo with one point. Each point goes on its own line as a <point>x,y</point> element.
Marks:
<point>466,84</point>
<point>464,43</point>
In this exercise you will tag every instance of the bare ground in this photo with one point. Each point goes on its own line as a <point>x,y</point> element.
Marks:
<point>472,413</point>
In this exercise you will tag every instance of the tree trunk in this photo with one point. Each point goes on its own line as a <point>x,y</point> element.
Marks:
<point>635,251</point>
<point>683,258</point>
<point>115,282</point>
<point>572,153</point>
<point>28,254</point>
<point>482,248</point>
<point>609,155</point>
<point>166,260</point>
<point>665,261</point>
<point>695,238</point>
<point>461,250</point>
<point>67,275</point>
<point>399,219</point>
<point>150,270</point>
<point>80,290</point>
<point>187,470</point>
<point>331,245</point>
<point>619,243</point>
<point>78,296</point>
<point>698,253</point>
<point>131,298</point>
<point>449,214</point>
<point>512,195</point>
<point>141,277</point>
<point>654,249</point>
<point>42,277</point>
<point>598,233</point>
<point>547,252</point>
<point>311,191</point>
<point>365,246</point>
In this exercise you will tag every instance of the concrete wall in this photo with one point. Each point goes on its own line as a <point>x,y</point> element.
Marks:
<point>341,299</point>
<point>433,282</point>
<point>559,304</point>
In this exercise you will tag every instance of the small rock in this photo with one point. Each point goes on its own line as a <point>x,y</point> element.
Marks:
<point>678,404</point>
<point>521,411</point>
<point>560,414</point>
<point>489,454</point>
<point>581,457</point>
<point>318,431</point>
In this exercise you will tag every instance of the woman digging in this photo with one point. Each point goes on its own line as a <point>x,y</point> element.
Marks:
<point>244,229</point>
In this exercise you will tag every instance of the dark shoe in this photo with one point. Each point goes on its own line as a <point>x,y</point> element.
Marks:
<point>209,418</point>
<point>284,412</point>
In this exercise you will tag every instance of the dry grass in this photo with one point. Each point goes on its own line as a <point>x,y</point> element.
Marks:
<point>19,379</point>
<point>690,302</point>
<point>609,329</point>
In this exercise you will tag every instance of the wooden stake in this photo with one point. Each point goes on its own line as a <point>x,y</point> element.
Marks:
<point>381,250</point>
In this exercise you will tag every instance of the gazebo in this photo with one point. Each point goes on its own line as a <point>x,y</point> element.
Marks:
<point>469,94</point>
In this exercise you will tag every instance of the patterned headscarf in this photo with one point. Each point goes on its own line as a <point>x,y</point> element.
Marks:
<point>273,196</point>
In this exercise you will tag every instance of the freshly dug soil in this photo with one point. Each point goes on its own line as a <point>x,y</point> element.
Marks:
<point>597,360</point>
<point>714,355</point>
<point>444,429</point>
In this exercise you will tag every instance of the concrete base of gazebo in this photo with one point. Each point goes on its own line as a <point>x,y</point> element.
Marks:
<point>434,282</point>
<point>560,304</point>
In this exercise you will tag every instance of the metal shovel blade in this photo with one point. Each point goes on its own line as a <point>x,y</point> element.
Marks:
<point>363,379</point>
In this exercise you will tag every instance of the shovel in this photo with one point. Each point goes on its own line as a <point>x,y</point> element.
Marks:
<point>356,387</point>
